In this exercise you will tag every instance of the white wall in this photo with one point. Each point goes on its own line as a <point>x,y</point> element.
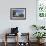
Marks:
<point>24,25</point>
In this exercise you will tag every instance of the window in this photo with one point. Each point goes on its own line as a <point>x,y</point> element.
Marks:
<point>41,8</point>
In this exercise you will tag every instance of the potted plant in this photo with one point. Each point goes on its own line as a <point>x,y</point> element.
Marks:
<point>39,35</point>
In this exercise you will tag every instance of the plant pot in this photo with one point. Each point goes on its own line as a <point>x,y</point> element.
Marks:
<point>40,41</point>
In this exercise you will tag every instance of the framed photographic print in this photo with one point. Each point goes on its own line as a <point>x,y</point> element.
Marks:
<point>17,13</point>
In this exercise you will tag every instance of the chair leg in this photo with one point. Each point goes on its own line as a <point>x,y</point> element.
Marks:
<point>5,43</point>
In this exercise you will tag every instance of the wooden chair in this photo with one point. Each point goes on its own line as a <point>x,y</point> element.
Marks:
<point>27,43</point>
<point>8,34</point>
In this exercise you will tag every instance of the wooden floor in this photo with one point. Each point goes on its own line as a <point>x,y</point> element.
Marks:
<point>13,44</point>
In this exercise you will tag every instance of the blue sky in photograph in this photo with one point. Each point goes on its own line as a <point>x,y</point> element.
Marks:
<point>19,11</point>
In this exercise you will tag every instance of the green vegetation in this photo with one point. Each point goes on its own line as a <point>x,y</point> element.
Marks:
<point>39,35</point>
